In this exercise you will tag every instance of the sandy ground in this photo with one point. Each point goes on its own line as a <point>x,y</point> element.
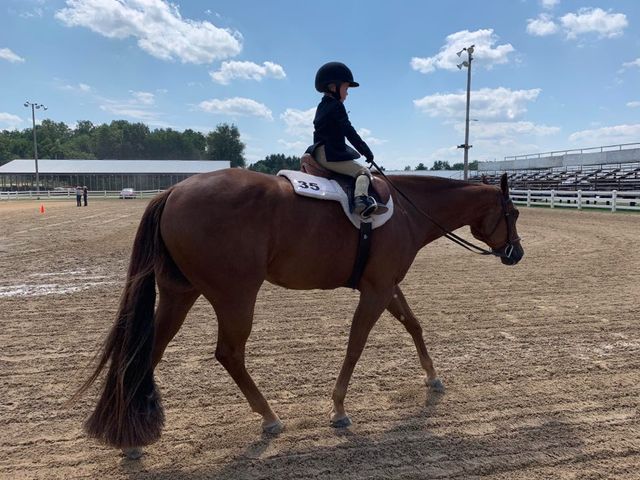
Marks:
<point>540,361</point>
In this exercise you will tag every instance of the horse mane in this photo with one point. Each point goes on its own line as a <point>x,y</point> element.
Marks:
<point>431,183</point>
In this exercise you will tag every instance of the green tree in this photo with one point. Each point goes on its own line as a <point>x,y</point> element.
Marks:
<point>224,144</point>
<point>195,145</point>
<point>272,164</point>
<point>106,142</point>
<point>52,136</point>
<point>441,165</point>
<point>460,166</point>
<point>421,166</point>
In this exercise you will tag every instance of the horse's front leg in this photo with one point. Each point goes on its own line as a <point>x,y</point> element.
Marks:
<point>369,309</point>
<point>399,308</point>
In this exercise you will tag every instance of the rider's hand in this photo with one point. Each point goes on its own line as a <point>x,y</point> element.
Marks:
<point>369,157</point>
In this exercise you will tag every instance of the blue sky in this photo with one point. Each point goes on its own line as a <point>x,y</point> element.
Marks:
<point>546,75</point>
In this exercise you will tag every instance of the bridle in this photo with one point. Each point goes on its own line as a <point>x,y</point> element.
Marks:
<point>507,249</point>
<point>504,252</point>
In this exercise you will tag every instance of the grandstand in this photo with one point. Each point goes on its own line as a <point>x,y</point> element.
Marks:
<point>611,167</point>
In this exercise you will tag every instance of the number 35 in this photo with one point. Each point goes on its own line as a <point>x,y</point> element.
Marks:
<point>311,185</point>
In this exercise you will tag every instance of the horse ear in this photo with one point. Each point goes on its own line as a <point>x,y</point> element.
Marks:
<point>504,185</point>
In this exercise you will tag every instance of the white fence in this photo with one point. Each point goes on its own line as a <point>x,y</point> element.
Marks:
<point>71,194</point>
<point>608,200</point>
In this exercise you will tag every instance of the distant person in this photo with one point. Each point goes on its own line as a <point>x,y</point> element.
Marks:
<point>85,194</point>
<point>78,196</point>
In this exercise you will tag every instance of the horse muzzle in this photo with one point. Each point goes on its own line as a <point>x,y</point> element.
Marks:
<point>511,253</point>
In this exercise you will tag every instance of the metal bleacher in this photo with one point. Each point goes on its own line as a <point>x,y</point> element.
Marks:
<point>585,169</point>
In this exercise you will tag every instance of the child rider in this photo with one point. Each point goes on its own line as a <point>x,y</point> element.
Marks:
<point>332,125</point>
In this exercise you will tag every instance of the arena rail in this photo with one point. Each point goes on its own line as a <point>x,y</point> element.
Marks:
<point>587,199</point>
<point>71,194</point>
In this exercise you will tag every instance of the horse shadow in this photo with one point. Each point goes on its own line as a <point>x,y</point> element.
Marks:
<point>412,447</point>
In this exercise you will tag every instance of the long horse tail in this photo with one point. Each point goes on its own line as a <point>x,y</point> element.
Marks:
<point>129,411</point>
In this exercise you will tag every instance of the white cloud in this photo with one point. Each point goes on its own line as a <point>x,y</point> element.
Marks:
<point>634,104</point>
<point>139,106</point>
<point>594,20</point>
<point>447,59</point>
<point>368,138</point>
<point>157,25</point>
<point>295,146</point>
<point>80,87</point>
<point>9,121</point>
<point>541,26</point>
<point>246,71</point>
<point>607,135</point>
<point>236,106</point>
<point>130,111</point>
<point>494,104</point>
<point>488,130</point>
<point>634,63</point>
<point>36,12</point>
<point>145,98</point>
<point>299,123</point>
<point>549,4</point>
<point>7,54</point>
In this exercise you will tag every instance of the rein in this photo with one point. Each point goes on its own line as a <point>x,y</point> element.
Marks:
<point>473,248</point>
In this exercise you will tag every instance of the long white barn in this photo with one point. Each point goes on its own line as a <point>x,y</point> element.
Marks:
<point>102,174</point>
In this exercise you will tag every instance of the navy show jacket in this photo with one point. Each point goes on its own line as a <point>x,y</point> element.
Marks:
<point>332,125</point>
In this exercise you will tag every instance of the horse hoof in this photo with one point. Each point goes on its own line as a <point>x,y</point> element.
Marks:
<point>435,385</point>
<point>132,453</point>
<point>273,428</point>
<point>342,422</point>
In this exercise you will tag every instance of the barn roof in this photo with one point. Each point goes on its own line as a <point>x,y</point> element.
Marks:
<point>27,166</point>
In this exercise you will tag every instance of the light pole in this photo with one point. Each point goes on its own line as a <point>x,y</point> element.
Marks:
<point>465,145</point>
<point>35,106</point>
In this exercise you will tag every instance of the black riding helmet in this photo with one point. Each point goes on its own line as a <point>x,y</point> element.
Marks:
<point>333,72</point>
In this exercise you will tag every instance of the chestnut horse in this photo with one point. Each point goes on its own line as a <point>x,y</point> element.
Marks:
<point>223,234</point>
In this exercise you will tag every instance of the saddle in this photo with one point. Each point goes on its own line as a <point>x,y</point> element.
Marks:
<point>317,182</point>
<point>378,188</point>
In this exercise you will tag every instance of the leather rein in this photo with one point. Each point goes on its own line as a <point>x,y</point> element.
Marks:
<point>503,252</point>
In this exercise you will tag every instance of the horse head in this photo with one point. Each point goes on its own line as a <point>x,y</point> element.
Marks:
<point>497,228</point>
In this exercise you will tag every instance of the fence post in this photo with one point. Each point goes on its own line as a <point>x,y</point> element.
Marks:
<point>579,199</point>
<point>528,198</point>
<point>614,196</point>
<point>553,198</point>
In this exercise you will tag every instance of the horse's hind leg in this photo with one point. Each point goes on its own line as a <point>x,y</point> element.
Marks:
<point>235,318</point>
<point>399,308</point>
<point>173,306</point>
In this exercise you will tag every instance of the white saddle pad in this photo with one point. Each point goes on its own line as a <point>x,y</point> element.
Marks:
<point>325,189</point>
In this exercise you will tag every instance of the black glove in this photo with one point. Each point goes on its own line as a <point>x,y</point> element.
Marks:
<point>369,157</point>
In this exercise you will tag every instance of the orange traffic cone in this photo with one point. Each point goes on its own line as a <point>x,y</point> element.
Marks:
<point>42,208</point>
